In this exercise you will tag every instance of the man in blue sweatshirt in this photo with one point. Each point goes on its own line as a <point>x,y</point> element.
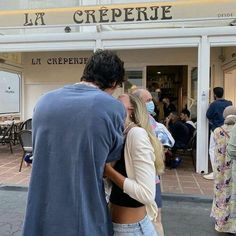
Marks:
<point>215,117</point>
<point>77,129</point>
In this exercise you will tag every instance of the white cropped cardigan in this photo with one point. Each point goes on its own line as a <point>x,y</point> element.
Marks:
<point>140,169</point>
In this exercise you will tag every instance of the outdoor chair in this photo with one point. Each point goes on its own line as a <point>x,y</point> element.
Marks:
<point>26,125</point>
<point>190,149</point>
<point>15,132</point>
<point>25,137</point>
<point>6,136</point>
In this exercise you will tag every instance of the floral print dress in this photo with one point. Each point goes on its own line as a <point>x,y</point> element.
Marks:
<point>223,206</point>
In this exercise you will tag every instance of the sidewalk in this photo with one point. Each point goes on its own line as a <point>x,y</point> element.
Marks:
<point>182,180</point>
<point>9,167</point>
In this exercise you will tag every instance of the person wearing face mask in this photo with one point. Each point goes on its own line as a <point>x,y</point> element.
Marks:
<point>162,133</point>
<point>151,107</point>
<point>164,137</point>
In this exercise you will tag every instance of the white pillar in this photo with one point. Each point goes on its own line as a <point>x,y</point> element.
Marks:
<point>203,103</point>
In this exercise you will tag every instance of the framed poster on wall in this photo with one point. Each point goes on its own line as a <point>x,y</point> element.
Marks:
<point>9,92</point>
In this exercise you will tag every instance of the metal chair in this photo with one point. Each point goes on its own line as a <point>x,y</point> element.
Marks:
<point>26,125</point>
<point>25,137</point>
<point>190,149</point>
<point>6,136</point>
<point>15,132</point>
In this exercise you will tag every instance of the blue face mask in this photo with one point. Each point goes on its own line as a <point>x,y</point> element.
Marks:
<point>150,107</point>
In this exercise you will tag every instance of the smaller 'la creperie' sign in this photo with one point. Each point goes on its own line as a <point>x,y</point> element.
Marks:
<point>110,14</point>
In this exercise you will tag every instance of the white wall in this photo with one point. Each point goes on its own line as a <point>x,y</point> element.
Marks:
<point>229,53</point>
<point>39,79</point>
<point>174,56</point>
<point>230,85</point>
<point>229,71</point>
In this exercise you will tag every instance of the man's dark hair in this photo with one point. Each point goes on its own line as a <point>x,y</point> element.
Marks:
<point>105,69</point>
<point>186,112</point>
<point>218,91</point>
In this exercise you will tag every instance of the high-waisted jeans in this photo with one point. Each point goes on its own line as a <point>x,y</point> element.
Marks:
<point>141,228</point>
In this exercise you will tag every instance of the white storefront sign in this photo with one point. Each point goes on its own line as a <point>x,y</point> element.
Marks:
<point>128,13</point>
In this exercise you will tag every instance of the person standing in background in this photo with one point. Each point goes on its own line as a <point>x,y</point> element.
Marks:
<point>76,130</point>
<point>215,116</point>
<point>224,204</point>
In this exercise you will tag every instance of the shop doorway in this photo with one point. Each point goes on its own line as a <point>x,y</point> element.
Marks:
<point>170,82</point>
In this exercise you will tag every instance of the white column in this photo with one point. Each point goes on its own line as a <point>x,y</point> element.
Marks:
<point>203,103</point>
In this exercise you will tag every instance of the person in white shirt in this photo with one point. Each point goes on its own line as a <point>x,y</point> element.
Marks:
<point>132,200</point>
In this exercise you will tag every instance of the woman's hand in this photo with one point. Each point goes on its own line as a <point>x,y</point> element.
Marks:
<point>107,170</point>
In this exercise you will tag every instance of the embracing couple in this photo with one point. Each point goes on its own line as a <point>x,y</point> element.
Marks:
<point>81,135</point>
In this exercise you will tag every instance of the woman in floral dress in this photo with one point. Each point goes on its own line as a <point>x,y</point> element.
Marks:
<point>223,202</point>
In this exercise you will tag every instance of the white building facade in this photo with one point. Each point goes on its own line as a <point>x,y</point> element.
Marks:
<point>46,45</point>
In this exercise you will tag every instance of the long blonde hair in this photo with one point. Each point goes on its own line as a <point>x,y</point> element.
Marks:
<point>140,117</point>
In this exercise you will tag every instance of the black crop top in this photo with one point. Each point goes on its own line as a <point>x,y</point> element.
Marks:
<point>118,197</point>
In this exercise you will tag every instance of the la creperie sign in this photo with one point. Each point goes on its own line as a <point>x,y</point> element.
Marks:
<point>110,14</point>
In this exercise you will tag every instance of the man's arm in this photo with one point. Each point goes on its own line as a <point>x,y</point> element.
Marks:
<point>210,112</point>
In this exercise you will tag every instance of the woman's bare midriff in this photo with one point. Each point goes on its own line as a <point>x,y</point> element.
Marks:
<point>127,215</point>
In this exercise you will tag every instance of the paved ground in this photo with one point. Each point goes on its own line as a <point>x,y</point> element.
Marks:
<point>182,216</point>
<point>12,208</point>
<point>188,217</point>
<point>182,180</point>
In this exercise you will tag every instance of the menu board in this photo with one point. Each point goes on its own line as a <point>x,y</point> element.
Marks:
<point>9,92</point>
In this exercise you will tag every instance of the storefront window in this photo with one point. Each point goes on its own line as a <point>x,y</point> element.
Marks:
<point>9,92</point>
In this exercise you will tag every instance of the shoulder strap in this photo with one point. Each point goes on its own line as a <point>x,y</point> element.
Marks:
<point>226,134</point>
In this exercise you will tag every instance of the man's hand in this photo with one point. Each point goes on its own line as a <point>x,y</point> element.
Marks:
<point>113,175</point>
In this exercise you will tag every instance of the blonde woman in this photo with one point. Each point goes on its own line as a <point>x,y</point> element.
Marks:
<point>133,176</point>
